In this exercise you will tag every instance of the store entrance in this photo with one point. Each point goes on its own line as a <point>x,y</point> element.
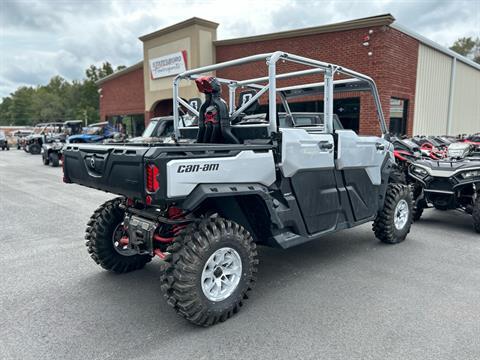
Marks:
<point>163,108</point>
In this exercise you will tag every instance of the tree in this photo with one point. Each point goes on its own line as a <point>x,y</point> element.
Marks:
<point>468,47</point>
<point>94,74</point>
<point>56,101</point>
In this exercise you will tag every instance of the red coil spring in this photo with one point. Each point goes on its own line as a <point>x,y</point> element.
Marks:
<point>173,214</point>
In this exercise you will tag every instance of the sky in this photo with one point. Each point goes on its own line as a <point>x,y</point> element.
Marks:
<point>43,38</point>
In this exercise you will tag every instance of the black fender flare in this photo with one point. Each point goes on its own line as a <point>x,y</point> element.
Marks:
<point>206,191</point>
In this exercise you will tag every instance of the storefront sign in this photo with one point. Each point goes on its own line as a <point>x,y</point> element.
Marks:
<point>168,65</point>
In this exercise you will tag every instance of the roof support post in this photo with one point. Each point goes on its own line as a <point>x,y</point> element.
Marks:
<point>175,108</point>
<point>231,98</point>
<point>328,109</point>
<point>272,90</point>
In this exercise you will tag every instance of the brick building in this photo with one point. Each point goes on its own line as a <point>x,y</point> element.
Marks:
<point>424,88</point>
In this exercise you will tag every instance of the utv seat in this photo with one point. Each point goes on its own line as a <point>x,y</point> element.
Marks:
<point>213,122</point>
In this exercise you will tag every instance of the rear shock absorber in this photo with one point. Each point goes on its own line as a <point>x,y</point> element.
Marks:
<point>173,213</point>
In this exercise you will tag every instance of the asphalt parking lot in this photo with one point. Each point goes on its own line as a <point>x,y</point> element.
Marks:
<point>346,296</point>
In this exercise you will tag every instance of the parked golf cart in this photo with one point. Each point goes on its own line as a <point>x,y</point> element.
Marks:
<point>4,141</point>
<point>52,145</point>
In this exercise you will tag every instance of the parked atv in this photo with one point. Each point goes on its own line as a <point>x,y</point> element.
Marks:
<point>19,136</point>
<point>22,140</point>
<point>406,152</point>
<point>3,141</point>
<point>203,203</point>
<point>448,184</point>
<point>52,145</point>
<point>460,150</point>
<point>430,147</point>
<point>34,142</point>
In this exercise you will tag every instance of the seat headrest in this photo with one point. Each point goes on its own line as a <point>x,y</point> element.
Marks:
<point>244,97</point>
<point>208,85</point>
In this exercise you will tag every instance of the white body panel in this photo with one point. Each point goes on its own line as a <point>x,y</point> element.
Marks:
<point>302,150</point>
<point>245,167</point>
<point>361,152</point>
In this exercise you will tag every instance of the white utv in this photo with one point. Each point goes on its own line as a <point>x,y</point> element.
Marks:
<point>204,202</point>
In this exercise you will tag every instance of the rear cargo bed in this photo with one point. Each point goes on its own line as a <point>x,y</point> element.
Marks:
<point>120,168</point>
<point>113,168</point>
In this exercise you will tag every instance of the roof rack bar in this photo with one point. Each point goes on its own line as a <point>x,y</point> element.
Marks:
<point>188,106</point>
<point>336,82</point>
<point>281,76</point>
<point>306,61</point>
<point>224,64</point>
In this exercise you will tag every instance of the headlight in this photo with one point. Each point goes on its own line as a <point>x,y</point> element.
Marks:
<point>470,174</point>
<point>420,172</point>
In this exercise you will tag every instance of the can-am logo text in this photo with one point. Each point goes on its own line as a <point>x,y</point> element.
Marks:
<point>197,168</point>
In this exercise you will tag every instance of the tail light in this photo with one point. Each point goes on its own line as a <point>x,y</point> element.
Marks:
<point>152,178</point>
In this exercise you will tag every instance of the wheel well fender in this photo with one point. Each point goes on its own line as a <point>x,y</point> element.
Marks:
<point>249,205</point>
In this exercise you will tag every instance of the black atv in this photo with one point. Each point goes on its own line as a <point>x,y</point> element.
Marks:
<point>446,185</point>
<point>3,141</point>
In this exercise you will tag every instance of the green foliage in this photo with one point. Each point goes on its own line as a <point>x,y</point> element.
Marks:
<point>468,47</point>
<point>59,100</point>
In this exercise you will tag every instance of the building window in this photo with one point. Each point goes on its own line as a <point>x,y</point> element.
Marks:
<point>398,116</point>
<point>348,110</point>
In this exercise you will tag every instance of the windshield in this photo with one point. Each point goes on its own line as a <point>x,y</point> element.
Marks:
<point>148,132</point>
<point>2,135</point>
<point>165,129</point>
<point>307,120</point>
<point>93,130</point>
<point>158,128</point>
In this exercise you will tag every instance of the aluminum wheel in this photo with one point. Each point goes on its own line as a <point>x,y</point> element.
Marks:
<point>401,214</point>
<point>221,274</point>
